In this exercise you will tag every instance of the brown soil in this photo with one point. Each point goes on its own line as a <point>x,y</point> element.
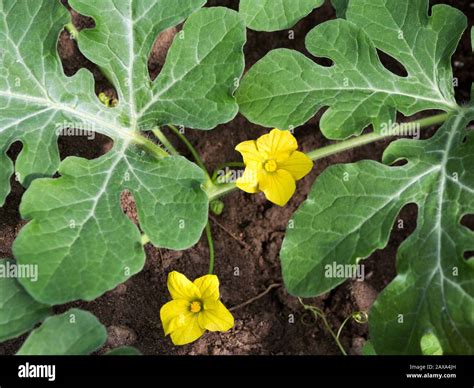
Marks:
<point>248,234</point>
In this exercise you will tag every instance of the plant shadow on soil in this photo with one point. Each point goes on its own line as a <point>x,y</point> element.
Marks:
<point>248,234</point>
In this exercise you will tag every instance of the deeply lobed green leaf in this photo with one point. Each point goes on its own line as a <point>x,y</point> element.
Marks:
<point>285,89</point>
<point>78,235</point>
<point>350,213</point>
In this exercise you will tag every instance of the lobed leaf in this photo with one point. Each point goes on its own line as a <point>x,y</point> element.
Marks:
<point>75,332</point>
<point>274,15</point>
<point>82,242</point>
<point>19,312</point>
<point>285,89</point>
<point>350,213</point>
<point>79,236</point>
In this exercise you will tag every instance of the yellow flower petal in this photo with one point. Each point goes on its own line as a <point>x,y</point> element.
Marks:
<point>208,286</point>
<point>248,182</point>
<point>180,287</point>
<point>298,165</point>
<point>277,144</point>
<point>174,315</point>
<point>278,186</point>
<point>249,151</point>
<point>216,317</point>
<point>188,333</point>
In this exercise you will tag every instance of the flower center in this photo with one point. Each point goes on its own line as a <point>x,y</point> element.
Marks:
<point>270,166</point>
<point>195,306</point>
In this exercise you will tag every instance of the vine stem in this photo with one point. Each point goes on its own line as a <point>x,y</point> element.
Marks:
<point>149,146</point>
<point>338,334</point>
<point>217,191</point>
<point>318,313</point>
<point>222,166</point>
<point>255,298</point>
<point>210,241</point>
<point>72,30</point>
<point>373,137</point>
<point>190,147</point>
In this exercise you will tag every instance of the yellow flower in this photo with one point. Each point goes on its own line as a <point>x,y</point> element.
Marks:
<point>273,164</point>
<point>194,309</point>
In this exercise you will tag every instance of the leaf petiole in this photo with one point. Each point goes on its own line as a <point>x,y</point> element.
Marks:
<point>225,165</point>
<point>145,239</point>
<point>164,140</point>
<point>190,147</point>
<point>210,242</point>
<point>72,30</point>
<point>149,146</point>
<point>373,137</point>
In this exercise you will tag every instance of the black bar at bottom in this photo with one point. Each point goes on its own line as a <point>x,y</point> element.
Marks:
<point>412,371</point>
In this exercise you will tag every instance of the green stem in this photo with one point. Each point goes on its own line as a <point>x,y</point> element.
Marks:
<point>319,313</point>
<point>190,147</point>
<point>145,239</point>
<point>210,242</point>
<point>338,335</point>
<point>217,191</point>
<point>149,146</point>
<point>222,166</point>
<point>372,137</point>
<point>164,140</point>
<point>73,32</point>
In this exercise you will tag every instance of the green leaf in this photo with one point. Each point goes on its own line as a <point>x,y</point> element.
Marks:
<point>19,312</point>
<point>275,15</point>
<point>124,351</point>
<point>350,213</point>
<point>430,345</point>
<point>196,84</point>
<point>368,349</point>
<point>76,332</point>
<point>341,7</point>
<point>285,89</point>
<point>78,235</point>
<point>34,92</point>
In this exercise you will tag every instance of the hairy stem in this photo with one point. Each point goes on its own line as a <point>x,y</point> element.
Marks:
<point>164,140</point>
<point>210,242</point>
<point>149,146</point>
